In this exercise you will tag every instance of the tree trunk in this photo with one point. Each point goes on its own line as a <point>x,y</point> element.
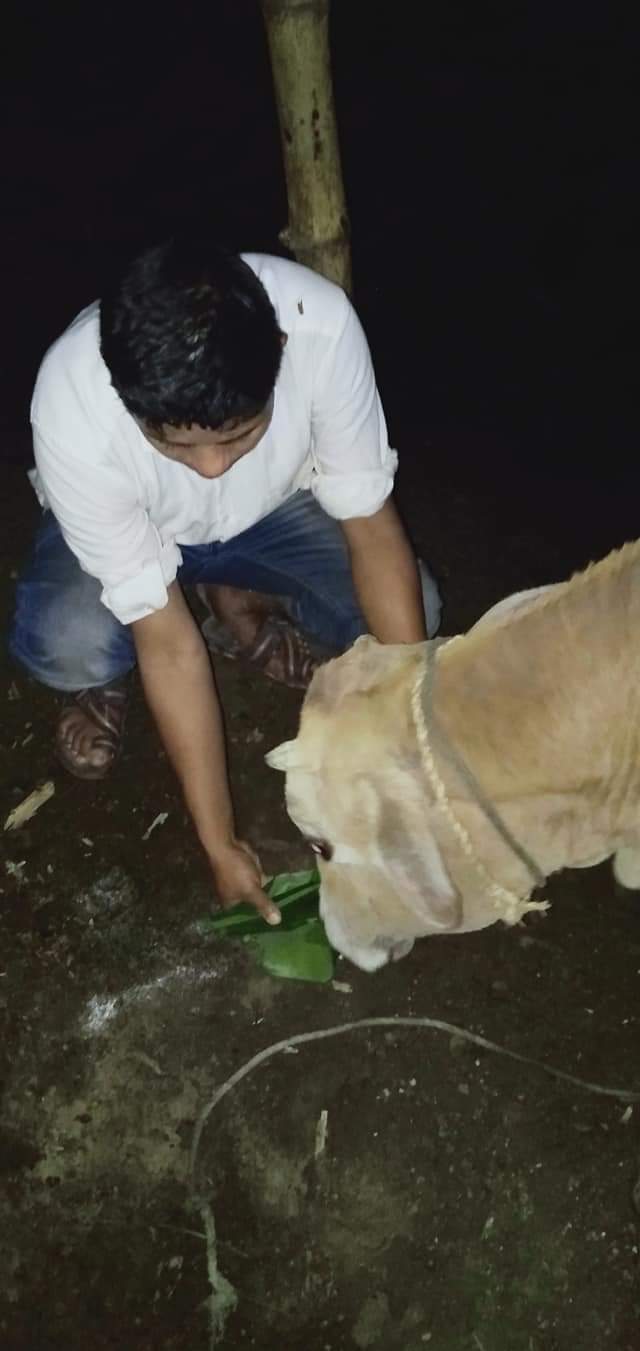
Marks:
<point>317,232</point>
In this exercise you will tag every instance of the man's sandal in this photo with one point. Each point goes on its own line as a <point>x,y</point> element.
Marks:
<point>277,637</point>
<point>105,707</point>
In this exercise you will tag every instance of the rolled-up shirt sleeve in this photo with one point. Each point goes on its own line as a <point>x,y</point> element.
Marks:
<point>107,529</point>
<point>354,465</point>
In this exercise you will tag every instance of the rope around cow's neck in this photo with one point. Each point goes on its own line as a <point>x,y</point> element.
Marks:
<point>510,906</point>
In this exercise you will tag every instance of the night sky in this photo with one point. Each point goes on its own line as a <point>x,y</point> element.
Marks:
<point>491,171</point>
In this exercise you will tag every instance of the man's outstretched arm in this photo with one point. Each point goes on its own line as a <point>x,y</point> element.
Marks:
<point>180,689</point>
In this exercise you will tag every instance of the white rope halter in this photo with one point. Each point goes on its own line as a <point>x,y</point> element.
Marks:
<point>510,906</point>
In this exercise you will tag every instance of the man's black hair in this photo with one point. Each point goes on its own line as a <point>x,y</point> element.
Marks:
<point>189,335</point>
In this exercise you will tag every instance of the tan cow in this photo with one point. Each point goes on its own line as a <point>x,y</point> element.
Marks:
<point>538,703</point>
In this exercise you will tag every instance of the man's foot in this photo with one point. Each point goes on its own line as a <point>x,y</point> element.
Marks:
<point>249,626</point>
<point>90,729</point>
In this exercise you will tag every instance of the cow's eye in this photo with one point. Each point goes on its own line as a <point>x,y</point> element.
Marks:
<point>322,848</point>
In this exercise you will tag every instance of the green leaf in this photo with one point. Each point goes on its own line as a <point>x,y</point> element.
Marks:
<point>298,948</point>
<point>284,885</point>
<point>302,954</point>
<point>296,895</point>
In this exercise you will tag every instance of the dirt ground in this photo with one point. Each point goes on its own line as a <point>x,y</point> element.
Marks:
<point>464,1201</point>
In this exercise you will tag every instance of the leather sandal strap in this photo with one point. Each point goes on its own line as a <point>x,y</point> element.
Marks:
<point>106,705</point>
<point>279,635</point>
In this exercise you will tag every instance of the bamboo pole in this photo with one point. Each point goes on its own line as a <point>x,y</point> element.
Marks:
<point>317,232</point>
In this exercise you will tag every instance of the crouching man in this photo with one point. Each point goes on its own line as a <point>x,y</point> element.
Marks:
<point>213,422</point>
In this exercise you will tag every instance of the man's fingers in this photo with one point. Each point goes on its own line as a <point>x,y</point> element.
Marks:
<point>238,876</point>
<point>266,908</point>
<point>257,898</point>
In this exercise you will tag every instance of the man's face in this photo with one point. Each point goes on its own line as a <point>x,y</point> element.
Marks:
<point>210,453</point>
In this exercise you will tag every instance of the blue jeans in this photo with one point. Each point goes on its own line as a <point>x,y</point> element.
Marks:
<point>69,640</point>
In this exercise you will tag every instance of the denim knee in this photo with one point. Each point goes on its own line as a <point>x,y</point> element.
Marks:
<point>65,637</point>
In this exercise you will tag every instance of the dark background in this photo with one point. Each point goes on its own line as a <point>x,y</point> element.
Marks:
<point>489,154</point>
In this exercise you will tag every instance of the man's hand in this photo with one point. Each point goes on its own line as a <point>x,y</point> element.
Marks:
<point>239,877</point>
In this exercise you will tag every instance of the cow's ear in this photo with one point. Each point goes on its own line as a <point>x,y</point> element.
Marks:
<point>282,757</point>
<point>415,865</point>
<point>420,879</point>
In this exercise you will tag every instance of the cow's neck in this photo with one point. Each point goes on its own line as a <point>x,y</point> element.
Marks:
<point>545,709</point>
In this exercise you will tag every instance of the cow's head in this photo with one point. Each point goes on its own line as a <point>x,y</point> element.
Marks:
<point>356,791</point>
